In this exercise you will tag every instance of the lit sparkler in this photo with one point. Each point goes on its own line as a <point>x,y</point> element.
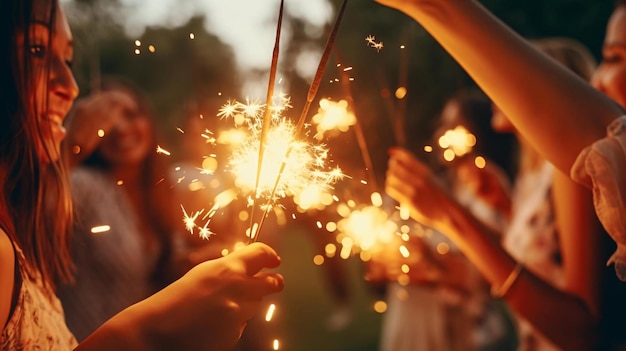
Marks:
<point>456,142</point>
<point>305,164</point>
<point>333,115</point>
<point>366,227</point>
<point>300,125</point>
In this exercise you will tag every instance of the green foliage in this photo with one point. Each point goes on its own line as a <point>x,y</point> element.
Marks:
<point>179,74</point>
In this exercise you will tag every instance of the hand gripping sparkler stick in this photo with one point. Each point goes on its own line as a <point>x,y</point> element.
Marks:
<point>315,84</point>
<point>267,114</point>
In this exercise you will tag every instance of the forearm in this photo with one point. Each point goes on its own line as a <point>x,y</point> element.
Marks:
<point>539,96</point>
<point>560,316</point>
<point>122,332</point>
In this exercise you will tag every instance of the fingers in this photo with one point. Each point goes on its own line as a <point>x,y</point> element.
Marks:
<point>397,189</point>
<point>255,257</point>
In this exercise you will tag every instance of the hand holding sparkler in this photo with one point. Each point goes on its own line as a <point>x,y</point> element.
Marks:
<point>412,184</point>
<point>206,309</point>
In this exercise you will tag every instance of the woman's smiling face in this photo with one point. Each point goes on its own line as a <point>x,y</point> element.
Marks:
<point>610,77</point>
<point>53,84</point>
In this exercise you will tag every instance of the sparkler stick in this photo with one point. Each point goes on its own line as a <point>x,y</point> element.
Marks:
<point>267,114</point>
<point>320,68</point>
<point>310,97</point>
<point>360,136</point>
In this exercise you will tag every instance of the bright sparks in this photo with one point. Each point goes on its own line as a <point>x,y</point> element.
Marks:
<point>371,41</point>
<point>190,221</point>
<point>221,200</point>
<point>100,229</point>
<point>303,164</point>
<point>161,150</point>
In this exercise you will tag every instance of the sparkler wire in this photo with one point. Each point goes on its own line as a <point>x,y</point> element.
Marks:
<point>310,97</point>
<point>360,136</point>
<point>267,114</point>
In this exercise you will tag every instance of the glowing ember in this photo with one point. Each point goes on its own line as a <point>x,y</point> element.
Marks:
<point>333,115</point>
<point>270,312</point>
<point>100,229</point>
<point>161,150</point>
<point>456,142</point>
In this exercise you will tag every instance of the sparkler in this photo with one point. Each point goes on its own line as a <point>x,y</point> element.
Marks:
<point>310,96</point>
<point>268,107</point>
<point>303,164</point>
<point>333,115</point>
<point>360,135</point>
<point>456,142</point>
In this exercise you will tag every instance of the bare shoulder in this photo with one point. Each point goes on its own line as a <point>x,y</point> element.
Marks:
<point>7,275</point>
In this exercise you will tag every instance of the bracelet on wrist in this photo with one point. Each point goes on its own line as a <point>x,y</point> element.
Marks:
<point>499,292</point>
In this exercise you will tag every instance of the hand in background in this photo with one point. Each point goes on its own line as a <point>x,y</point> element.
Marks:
<point>97,112</point>
<point>412,184</point>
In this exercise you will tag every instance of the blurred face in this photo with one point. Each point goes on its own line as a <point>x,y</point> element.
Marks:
<point>450,117</point>
<point>55,91</point>
<point>130,139</point>
<point>610,77</point>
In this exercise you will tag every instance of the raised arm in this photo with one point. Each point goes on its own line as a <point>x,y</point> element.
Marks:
<point>567,316</point>
<point>557,112</point>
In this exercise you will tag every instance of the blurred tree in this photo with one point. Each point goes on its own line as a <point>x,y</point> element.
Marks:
<point>172,68</point>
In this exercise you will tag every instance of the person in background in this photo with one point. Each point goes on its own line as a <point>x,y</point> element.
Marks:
<point>119,182</point>
<point>539,196</point>
<point>446,305</point>
<point>206,308</point>
<point>559,114</point>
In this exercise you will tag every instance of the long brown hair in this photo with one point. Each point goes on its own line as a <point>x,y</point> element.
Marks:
<point>35,193</point>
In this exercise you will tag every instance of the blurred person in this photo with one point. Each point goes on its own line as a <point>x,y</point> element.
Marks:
<point>446,305</point>
<point>559,114</point>
<point>204,308</point>
<point>539,193</point>
<point>120,182</point>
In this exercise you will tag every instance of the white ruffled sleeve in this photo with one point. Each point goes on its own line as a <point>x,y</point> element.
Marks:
<point>602,167</point>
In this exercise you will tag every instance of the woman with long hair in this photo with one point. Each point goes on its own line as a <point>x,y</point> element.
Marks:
<point>206,308</point>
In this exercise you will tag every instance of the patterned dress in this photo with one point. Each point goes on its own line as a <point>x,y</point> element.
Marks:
<point>37,322</point>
